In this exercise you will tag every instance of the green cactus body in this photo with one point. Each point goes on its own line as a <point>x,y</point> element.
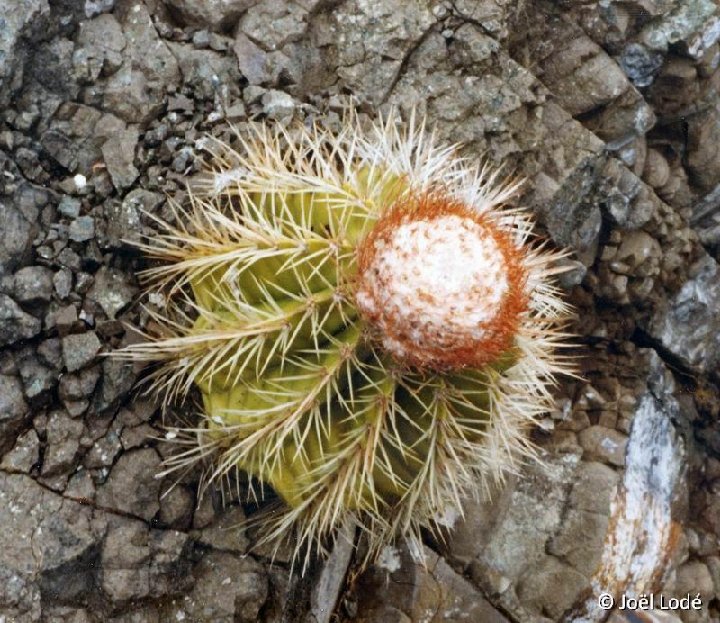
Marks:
<point>340,360</point>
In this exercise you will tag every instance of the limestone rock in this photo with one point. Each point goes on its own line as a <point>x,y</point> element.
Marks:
<point>419,591</point>
<point>212,14</point>
<point>688,324</point>
<point>603,444</point>
<point>112,291</point>
<point>244,589</point>
<point>13,408</point>
<point>131,486</point>
<point>15,324</point>
<point>79,350</point>
<point>15,18</point>
<point>33,284</point>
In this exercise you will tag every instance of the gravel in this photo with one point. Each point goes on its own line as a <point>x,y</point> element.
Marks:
<point>79,350</point>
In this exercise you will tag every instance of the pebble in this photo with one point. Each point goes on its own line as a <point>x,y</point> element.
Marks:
<point>603,444</point>
<point>119,153</point>
<point>111,290</point>
<point>15,324</point>
<point>62,282</point>
<point>79,350</point>
<point>33,284</point>
<point>82,229</point>
<point>277,105</point>
<point>13,407</point>
<point>24,455</point>
<point>69,207</point>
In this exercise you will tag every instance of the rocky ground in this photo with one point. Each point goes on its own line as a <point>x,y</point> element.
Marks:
<point>610,109</point>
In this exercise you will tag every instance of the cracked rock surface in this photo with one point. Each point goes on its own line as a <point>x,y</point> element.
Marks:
<point>609,110</point>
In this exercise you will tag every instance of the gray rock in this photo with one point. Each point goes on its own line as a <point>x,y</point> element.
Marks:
<point>51,67</point>
<point>79,350</point>
<point>24,455</point>
<point>578,71</point>
<point>136,92</point>
<point>275,24</point>
<point>235,112</point>
<point>705,220</point>
<point>552,587</point>
<point>96,7</point>
<point>206,72</point>
<point>104,451</point>
<point>594,489</point>
<point>111,290</point>
<point>244,590</point>
<point>119,154</point>
<point>326,591</point>
<point>13,409</point>
<point>176,507</point>
<point>14,20</point>
<point>227,532</point>
<point>100,44</point>
<point>640,64</point>
<point>64,319</point>
<point>160,67</point>
<point>213,14</point>
<point>688,325</point>
<point>656,171</point>
<point>252,60</point>
<point>533,515</point>
<point>694,577</point>
<point>581,539</point>
<point>374,39</point>
<point>603,444</point>
<point>638,248</point>
<point>125,558</point>
<point>33,284</point>
<point>137,562</point>
<point>62,282</point>
<point>129,95</point>
<point>37,378</point>
<point>15,324</point>
<point>84,282</point>
<point>169,567</point>
<point>419,590</point>
<point>63,614</point>
<point>15,237</point>
<point>63,444</point>
<point>123,221</point>
<point>67,257</point>
<point>468,538</point>
<point>118,379</point>
<point>60,148</point>
<point>78,385</point>
<point>69,206</point>
<point>132,486</point>
<point>201,39</point>
<point>50,353</point>
<point>82,229</point>
<point>19,596</point>
<point>680,24</point>
<point>703,157</point>
<point>63,561</point>
<point>278,105</point>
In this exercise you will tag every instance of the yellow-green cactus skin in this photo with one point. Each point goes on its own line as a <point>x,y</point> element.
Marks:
<point>371,330</point>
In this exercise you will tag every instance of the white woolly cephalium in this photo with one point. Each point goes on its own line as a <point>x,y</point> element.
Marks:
<point>371,331</point>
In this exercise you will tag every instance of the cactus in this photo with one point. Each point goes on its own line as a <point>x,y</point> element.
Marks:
<point>371,330</point>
